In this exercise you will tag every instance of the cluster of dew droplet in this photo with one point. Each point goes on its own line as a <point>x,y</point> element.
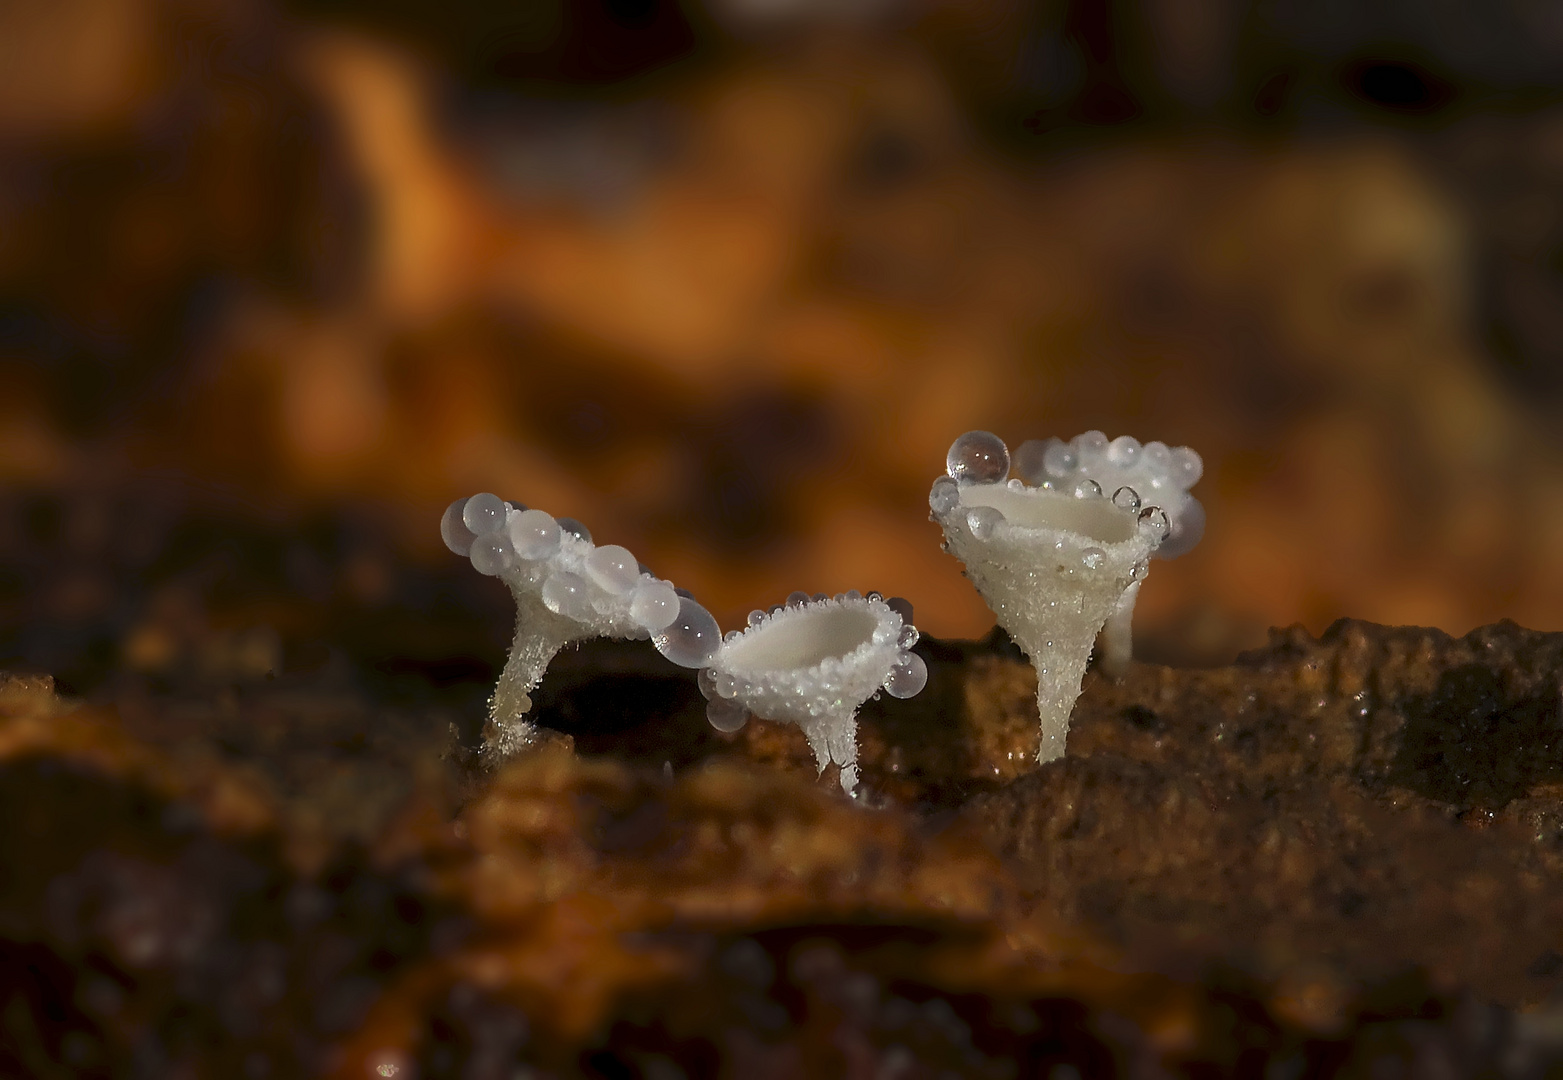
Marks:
<point>603,588</point>
<point>981,457</point>
<point>822,689</point>
<point>1152,472</point>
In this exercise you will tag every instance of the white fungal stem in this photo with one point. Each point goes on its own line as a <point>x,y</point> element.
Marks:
<point>539,636</point>
<point>1117,639</point>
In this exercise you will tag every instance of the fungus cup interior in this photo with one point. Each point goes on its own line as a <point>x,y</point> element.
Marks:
<point>1097,519</point>
<point>802,639</point>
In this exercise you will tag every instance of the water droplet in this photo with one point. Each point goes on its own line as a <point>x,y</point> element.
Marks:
<point>612,568</point>
<point>1185,531</point>
<point>1153,524</point>
<point>1093,558</point>
<point>756,617</point>
<point>901,606</point>
<point>724,684</point>
<point>564,594</point>
<point>1187,467</point>
<point>654,605</point>
<point>691,639</point>
<point>796,597</point>
<point>1156,457</point>
<point>1016,484</point>
<point>683,592</point>
<point>1138,571</point>
<point>575,529</point>
<point>983,521</point>
<point>1123,451</point>
<point>853,594</point>
<point>978,457</point>
<point>1088,489</point>
<point>944,496</point>
<point>777,607</point>
<point>484,514</point>
<point>492,554</point>
<point>875,594</point>
<point>705,679</point>
<point>454,531</point>
<point>1059,458</point>
<point>1029,462</point>
<point>817,597</point>
<point>1092,448</point>
<point>908,677</point>
<point>726,716</point>
<point>909,637</point>
<point>534,534</point>
<point>1126,498</point>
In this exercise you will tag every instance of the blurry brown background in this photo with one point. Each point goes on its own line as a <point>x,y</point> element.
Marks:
<point>724,281</point>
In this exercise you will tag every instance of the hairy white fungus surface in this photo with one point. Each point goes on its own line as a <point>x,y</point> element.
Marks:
<point>813,662</point>
<point>566,589</point>
<point>1053,561</point>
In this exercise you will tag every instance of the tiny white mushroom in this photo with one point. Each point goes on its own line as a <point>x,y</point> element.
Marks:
<point>813,662</point>
<point>566,589</point>
<point>1053,565</point>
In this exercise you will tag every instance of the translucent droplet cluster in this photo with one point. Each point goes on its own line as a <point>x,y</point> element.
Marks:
<point>1157,474</point>
<point>813,661</point>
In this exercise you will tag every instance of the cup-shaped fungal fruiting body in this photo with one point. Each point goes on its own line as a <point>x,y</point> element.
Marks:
<point>566,588</point>
<point>1152,473</point>
<point>813,661</point>
<point>1053,564</point>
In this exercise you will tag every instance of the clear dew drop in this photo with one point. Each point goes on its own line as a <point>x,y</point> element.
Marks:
<point>724,684</point>
<point>875,594</point>
<point>1187,467</point>
<point>1093,558</point>
<point>817,597</point>
<point>901,606</point>
<point>909,637</point>
<point>984,521</point>
<point>654,605</point>
<point>1088,489</point>
<point>1138,571</point>
<point>612,568</point>
<point>1154,524</point>
<point>565,594</point>
<point>978,457</point>
<point>1126,498</point>
<point>909,676</point>
<point>705,680</point>
<point>1016,484</point>
<point>853,594</point>
<point>1156,457</point>
<point>797,597</point>
<point>484,514</point>
<point>492,554</point>
<point>725,715</point>
<point>1124,451</point>
<point>944,496</point>
<point>1186,530</point>
<point>575,529</point>
<point>1092,447</point>
<point>756,617</point>
<point>691,639</point>
<point>1059,458</point>
<point>1029,461</point>
<point>534,534</point>
<point>454,531</point>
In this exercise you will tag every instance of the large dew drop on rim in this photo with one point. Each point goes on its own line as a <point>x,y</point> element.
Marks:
<point>564,594</point>
<point>534,534</point>
<point>907,677</point>
<point>691,640</point>
<point>1185,530</point>
<point>612,569</point>
<point>726,715</point>
<point>1029,461</point>
<point>492,554</point>
<point>978,457</point>
<point>944,496</point>
<point>654,605</point>
<point>484,514</point>
<point>454,531</point>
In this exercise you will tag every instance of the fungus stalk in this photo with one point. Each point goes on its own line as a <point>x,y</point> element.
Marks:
<point>1053,565</point>
<point>813,662</point>
<point>566,588</point>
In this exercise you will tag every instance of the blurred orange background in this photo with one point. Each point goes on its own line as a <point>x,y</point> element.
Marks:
<point>724,281</point>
